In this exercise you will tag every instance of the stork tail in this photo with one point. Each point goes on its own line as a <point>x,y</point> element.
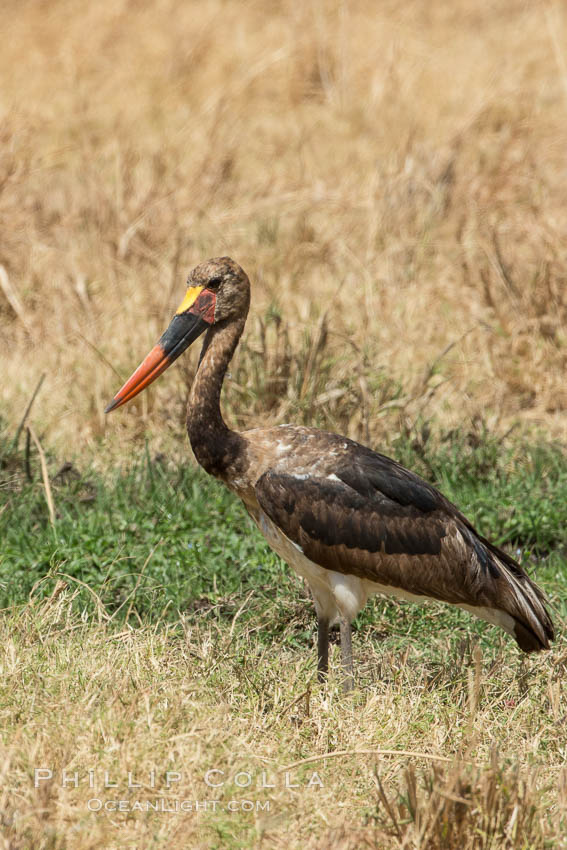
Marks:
<point>525,603</point>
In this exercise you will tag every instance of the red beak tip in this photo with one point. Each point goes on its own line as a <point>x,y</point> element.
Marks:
<point>109,407</point>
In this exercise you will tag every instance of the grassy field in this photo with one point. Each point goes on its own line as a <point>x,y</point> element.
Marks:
<point>391,176</point>
<point>150,628</point>
<point>391,180</point>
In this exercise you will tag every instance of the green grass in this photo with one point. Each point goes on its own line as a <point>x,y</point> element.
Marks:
<point>161,540</point>
<point>190,533</point>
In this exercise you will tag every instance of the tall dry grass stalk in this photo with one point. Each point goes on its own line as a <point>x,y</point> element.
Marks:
<point>391,176</point>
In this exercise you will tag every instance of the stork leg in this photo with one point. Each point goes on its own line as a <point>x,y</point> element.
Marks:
<point>322,648</point>
<point>346,654</point>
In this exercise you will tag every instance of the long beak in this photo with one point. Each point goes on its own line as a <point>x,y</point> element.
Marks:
<point>195,315</point>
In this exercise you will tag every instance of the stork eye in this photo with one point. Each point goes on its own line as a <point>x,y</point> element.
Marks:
<point>214,283</point>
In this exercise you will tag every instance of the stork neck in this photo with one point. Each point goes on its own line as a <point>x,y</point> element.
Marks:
<point>215,445</point>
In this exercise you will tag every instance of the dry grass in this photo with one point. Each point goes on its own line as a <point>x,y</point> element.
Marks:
<point>479,764</point>
<point>397,170</point>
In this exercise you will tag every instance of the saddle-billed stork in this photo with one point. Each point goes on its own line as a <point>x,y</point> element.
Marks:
<point>350,521</point>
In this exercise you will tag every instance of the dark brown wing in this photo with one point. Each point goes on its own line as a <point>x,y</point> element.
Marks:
<point>370,517</point>
<point>364,531</point>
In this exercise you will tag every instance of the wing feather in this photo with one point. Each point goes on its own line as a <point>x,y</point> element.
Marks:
<point>357,512</point>
<point>361,513</point>
<point>371,535</point>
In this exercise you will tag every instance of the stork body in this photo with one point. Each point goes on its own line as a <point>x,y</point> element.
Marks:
<point>350,521</point>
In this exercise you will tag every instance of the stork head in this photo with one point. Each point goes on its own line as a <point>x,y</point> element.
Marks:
<point>218,291</point>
